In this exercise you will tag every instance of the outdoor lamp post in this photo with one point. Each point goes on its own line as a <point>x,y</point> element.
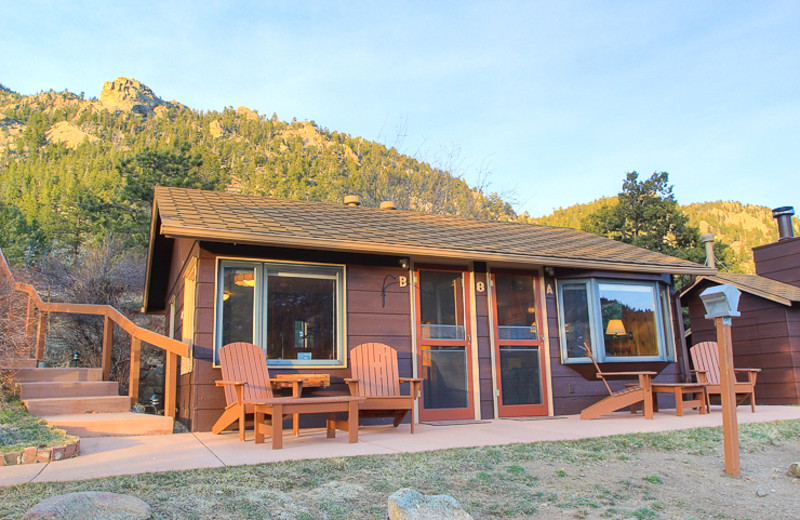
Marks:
<point>721,303</point>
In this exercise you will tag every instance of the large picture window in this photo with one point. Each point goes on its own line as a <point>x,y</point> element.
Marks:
<point>293,311</point>
<point>618,320</point>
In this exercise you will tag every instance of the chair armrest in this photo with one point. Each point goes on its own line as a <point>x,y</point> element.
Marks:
<point>646,373</point>
<point>228,383</point>
<point>752,374</point>
<point>238,387</point>
<point>352,384</point>
<point>701,375</point>
<point>414,383</point>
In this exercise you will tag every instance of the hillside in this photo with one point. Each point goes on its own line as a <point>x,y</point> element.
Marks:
<point>63,159</point>
<point>742,226</point>
<point>61,156</point>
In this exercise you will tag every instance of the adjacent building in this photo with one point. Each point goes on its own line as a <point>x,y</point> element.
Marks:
<point>767,334</point>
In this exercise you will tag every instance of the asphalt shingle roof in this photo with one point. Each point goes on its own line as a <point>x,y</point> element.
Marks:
<point>232,217</point>
<point>754,284</point>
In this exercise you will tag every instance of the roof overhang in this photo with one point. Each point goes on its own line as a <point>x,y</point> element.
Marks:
<point>174,231</point>
<point>741,286</point>
<point>155,246</point>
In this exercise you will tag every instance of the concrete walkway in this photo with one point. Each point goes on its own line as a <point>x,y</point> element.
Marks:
<point>109,456</point>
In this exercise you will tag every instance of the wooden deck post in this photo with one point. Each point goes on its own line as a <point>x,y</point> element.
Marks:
<point>133,384</point>
<point>170,384</point>
<point>29,321</point>
<point>41,333</point>
<point>108,346</point>
<point>727,379</point>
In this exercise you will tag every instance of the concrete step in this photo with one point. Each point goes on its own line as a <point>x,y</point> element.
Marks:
<point>77,405</point>
<point>56,389</point>
<point>18,363</point>
<point>59,374</point>
<point>111,424</point>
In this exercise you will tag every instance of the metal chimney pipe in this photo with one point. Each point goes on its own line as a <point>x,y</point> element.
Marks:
<point>708,241</point>
<point>784,217</point>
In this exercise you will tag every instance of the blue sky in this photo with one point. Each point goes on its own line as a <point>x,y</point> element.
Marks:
<point>555,100</point>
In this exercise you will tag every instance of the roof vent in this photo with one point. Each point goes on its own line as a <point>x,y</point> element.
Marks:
<point>708,240</point>
<point>784,217</point>
<point>352,200</point>
<point>387,204</point>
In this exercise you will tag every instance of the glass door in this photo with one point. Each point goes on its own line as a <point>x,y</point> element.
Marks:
<point>518,346</point>
<point>444,345</point>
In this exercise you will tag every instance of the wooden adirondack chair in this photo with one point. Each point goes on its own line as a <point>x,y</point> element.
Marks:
<point>375,376</point>
<point>705,358</point>
<point>246,381</point>
<point>248,390</point>
<point>629,396</point>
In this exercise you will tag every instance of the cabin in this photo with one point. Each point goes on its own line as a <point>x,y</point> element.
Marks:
<point>767,334</point>
<point>494,317</point>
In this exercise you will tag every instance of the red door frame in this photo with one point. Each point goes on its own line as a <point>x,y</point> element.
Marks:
<point>520,409</point>
<point>445,414</point>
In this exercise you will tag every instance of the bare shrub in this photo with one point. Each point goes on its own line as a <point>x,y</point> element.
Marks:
<point>13,341</point>
<point>103,274</point>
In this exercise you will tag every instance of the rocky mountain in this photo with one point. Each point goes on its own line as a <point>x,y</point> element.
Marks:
<point>62,157</point>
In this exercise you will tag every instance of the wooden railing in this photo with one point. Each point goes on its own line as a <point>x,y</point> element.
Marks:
<point>172,347</point>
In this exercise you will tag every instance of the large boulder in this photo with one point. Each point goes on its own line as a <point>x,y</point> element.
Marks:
<point>90,505</point>
<point>407,504</point>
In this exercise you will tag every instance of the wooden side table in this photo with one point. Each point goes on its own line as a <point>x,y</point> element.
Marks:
<point>296,382</point>
<point>696,390</point>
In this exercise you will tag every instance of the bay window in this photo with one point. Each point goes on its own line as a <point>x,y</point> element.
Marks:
<point>294,312</point>
<point>618,320</point>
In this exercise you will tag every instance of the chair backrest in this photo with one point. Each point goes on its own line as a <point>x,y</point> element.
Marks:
<point>246,363</point>
<point>705,357</point>
<point>375,367</point>
<point>597,367</point>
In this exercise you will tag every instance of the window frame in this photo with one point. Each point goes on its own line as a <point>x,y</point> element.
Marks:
<point>665,335</point>
<point>262,268</point>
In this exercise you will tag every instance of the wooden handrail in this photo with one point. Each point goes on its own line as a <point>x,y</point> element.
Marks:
<point>172,347</point>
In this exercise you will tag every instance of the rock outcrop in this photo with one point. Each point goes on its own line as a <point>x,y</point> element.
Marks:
<point>129,95</point>
<point>216,129</point>
<point>68,134</point>
<point>248,113</point>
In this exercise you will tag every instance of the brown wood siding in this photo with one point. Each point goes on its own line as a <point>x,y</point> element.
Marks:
<point>367,321</point>
<point>484,347</point>
<point>766,336</point>
<point>183,251</point>
<point>779,261</point>
<point>208,399</point>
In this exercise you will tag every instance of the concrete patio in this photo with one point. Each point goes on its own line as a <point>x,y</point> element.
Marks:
<point>110,456</point>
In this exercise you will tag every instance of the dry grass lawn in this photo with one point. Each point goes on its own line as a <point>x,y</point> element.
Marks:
<point>675,475</point>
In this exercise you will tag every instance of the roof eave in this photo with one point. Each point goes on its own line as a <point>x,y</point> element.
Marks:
<point>370,247</point>
<point>154,217</point>
<point>742,287</point>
